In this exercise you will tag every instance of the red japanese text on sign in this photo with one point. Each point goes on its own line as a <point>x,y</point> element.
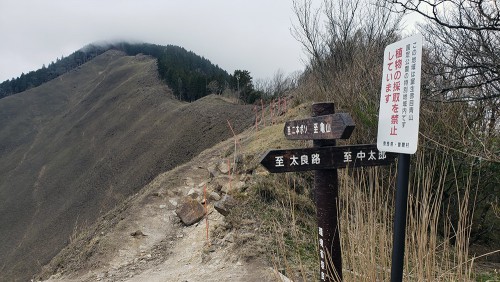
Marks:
<point>400,96</point>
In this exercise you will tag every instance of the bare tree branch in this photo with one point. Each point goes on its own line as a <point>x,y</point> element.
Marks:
<point>436,11</point>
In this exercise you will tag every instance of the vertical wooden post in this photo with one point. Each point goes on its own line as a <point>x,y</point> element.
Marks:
<point>327,200</point>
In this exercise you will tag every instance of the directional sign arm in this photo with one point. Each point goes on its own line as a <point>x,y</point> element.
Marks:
<point>334,126</point>
<point>293,160</point>
<point>348,123</point>
<point>277,161</point>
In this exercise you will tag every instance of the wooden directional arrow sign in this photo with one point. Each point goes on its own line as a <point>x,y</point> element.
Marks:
<point>334,126</point>
<point>305,159</point>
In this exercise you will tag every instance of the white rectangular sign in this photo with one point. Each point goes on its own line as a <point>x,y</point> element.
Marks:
<point>400,96</point>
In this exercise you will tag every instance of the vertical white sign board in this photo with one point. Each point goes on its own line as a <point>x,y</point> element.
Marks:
<point>400,96</point>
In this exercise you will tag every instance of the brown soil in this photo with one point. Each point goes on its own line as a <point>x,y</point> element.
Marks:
<point>164,250</point>
<point>78,146</point>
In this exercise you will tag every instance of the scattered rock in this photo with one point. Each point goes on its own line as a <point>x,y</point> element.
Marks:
<point>227,188</point>
<point>223,167</point>
<point>212,171</point>
<point>205,257</point>
<point>194,193</point>
<point>163,206</point>
<point>240,186</point>
<point>173,202</point>
<point>230,187</point>
<point>222,180</point>
<point>229,237</point>
<point>190,211</point>
<point>214,197</point>
<point>244,177</point>
<point>157,194</point>
<point>189,181</point>
<point>209,248</point>
<point>214,187</point>
<point>224,205</point>
<point>137,234</point>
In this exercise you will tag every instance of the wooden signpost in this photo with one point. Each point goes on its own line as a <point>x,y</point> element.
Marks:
<point>325,158</point>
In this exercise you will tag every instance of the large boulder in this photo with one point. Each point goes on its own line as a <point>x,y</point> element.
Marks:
<point>190,211</point>
<point>224,205</point>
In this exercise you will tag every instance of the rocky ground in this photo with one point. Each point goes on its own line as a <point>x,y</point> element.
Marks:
<point>77,146</point>
<point>160,234</point>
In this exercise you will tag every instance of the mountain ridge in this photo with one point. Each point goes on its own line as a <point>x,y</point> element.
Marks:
<point>185,72</point>
<point>86,140</point>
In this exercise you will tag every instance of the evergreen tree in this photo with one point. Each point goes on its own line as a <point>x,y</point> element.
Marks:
<point>186,73</point>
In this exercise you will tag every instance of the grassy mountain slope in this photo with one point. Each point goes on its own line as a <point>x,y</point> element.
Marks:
<point>186,73</point>
<point>76,146</point>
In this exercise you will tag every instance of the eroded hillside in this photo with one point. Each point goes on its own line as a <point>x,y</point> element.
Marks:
<point>73,148</point>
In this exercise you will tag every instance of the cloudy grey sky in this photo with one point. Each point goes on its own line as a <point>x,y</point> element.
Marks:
<point>235,34</point>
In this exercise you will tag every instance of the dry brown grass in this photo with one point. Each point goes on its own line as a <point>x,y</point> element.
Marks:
<point>438,237</point>
<point>437,245</point>
<point>434,250</point>
<point>367,219</point>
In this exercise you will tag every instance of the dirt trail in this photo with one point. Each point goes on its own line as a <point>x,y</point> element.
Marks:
<point>149,243</point>
<point>99,134</point>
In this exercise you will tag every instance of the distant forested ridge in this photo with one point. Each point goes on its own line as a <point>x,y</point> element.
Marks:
<point>189,76</point>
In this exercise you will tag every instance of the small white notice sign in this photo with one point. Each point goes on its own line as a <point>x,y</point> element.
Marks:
<point>400,96</point>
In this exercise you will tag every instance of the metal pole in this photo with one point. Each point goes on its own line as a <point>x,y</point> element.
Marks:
<point>326,198</point>
<point>398,249</point>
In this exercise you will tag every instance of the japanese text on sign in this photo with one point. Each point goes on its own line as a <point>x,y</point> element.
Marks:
<point>321,253</point>
<point>303,128</point>
<point>400,96</point>
<point>296,160</point>
<point>314,159</point>
<point>304,159</point>
<point>362,155</point>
